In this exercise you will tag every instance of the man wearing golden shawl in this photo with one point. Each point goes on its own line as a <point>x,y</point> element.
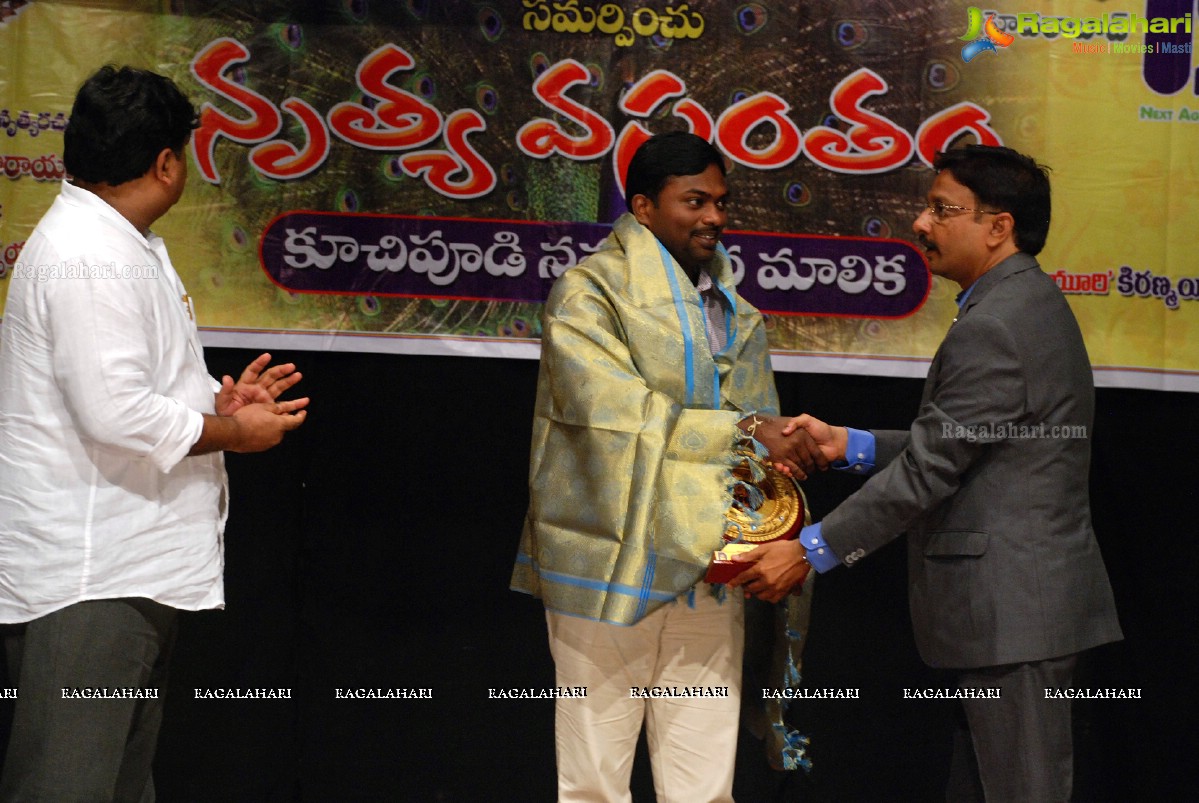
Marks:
<point>653,372</point>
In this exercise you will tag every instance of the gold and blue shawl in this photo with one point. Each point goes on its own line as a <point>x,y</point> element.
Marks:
<point>634,430</point>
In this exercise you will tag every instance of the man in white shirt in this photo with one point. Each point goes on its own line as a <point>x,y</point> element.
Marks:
<point>113,492</point>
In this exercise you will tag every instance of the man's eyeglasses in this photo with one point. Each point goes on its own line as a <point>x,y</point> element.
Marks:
<point>941,212</point>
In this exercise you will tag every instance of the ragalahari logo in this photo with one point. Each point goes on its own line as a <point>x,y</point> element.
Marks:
<point>982,36</point>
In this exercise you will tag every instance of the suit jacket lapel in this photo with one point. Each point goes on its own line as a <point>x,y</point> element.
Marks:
<point>1016,263</point>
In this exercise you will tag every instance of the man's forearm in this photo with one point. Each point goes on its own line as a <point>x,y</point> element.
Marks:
<point>252,428</point>
<point>220,433</point>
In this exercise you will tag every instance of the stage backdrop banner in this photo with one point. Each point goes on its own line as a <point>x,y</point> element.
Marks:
<point>412,176</point>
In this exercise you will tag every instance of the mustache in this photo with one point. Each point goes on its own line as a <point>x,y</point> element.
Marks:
<point>924,242</point>
<point>714,231</point>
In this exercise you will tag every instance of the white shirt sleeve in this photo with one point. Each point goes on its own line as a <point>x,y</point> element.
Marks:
<point>103,365</point>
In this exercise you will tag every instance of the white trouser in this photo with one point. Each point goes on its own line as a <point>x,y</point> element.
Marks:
<point>692,740</point>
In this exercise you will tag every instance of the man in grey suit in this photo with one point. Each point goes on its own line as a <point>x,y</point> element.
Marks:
<point>1006,580</point>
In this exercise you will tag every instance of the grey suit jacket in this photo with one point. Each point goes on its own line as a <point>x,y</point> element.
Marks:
<point>991,485</point>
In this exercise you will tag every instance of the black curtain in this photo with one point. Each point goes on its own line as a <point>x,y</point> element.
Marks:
<point>373,550</point>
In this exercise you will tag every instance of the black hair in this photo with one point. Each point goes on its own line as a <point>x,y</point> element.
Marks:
<point>121,120</point>
<point>1006,181</point>
<point>663,156</point>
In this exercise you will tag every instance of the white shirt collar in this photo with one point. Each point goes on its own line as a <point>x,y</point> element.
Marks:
<point>102,209</point>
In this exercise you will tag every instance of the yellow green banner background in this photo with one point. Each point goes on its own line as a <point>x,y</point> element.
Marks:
<point>1124,154</point>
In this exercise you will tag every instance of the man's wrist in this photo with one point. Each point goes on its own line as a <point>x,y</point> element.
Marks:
<point>858,451</point>
<point>842,440</point>
<point>817,552</point>
<point>749,425</point>
<point>219,433</point>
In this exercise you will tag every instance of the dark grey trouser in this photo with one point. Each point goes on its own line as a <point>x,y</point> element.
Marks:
<point>1019,748</point>
<point>68,749</point>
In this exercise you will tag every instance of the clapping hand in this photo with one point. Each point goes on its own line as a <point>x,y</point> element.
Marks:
<point>257,385</point>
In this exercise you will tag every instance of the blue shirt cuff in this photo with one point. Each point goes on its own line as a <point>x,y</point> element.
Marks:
<point>820,554</point>
<point>859,452</point>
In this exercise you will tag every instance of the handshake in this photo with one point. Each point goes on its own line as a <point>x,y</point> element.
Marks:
<point>795,446</point>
